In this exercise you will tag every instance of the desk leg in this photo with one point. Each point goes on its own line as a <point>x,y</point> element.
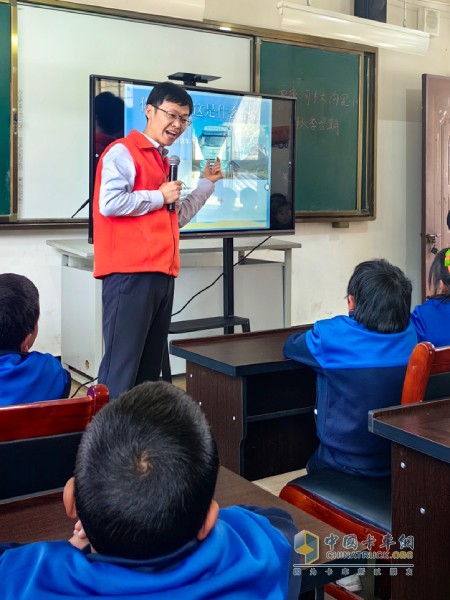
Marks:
<point>420,507</point>
<point>287,296</point>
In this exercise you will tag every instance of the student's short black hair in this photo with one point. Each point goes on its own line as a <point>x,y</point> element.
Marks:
<point>277,200</point>
<point>19,310</point>
<point>146,473</point>
<point>109,113</point>
<point>170,92</point>
<point>439,272</point>
<point>382,294</point>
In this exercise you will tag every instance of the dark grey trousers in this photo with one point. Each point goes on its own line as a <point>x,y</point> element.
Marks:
<point>136,317</point>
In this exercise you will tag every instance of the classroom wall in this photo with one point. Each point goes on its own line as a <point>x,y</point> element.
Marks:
<point>322,267</point>
<point>324,264</point>
<point>27,253</point>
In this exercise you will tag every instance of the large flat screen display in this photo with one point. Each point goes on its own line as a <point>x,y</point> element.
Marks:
<point>253,135</point>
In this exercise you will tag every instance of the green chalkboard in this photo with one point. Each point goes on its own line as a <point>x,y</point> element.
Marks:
<point>334,124</point>
<point>5,104</point>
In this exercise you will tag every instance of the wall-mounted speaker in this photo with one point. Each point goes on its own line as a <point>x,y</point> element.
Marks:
<point>371,9</point>
<point>428,20</point>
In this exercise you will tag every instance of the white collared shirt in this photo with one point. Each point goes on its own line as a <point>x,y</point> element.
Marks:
<point>117,198</point>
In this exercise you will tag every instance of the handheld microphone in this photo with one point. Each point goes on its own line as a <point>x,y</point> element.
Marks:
<point>174,161</point>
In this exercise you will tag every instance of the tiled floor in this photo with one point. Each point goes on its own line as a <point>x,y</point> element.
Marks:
<point>76,391</point>
<point>275,484</point>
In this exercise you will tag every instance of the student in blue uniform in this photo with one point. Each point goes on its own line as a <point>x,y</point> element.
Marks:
<point>432,318</point>
<point>143,489</point>
<point>25,376</point>
<point>360,362</point>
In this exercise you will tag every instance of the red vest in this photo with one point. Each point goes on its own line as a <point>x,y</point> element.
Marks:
<point>148,243</point>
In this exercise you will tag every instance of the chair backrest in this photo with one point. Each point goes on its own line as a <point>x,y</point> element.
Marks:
<point>51,417</point>
<point>428,374</point>
<point>39,442</point>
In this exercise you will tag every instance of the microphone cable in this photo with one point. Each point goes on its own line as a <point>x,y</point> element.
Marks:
<point>81,208</point>
<point>82,385</point>
<point>220,276</point>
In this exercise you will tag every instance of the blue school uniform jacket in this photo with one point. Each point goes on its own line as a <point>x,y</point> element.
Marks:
<point>432,321</point>
<point>31,377</point>
<point>244,556</point>
<point>357,370</point>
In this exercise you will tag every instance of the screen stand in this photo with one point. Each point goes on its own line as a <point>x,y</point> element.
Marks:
<point>228,321</point>
<point>90,223</point>
<point>228,282</point>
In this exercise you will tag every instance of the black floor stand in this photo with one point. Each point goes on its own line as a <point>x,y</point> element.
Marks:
<point>228,321</point>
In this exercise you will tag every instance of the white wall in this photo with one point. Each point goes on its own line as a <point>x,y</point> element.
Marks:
<point>28,254</point>
<point>322,267</point>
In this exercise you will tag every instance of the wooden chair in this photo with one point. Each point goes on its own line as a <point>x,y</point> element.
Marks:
<point>428,374</point>
<point>39,442</point>
<point>362,505</point>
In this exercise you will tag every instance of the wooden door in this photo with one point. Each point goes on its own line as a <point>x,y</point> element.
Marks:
<point>435,169</point>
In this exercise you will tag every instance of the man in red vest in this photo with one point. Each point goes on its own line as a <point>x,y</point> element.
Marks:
<point>136,239</point>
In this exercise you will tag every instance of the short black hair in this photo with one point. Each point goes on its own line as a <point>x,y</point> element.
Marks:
<point>109,113</point>
<point>170,92</point>
<point>145,473</point>
<point>19,310</point>
<point>277,200</point>
<point>382,294</point>
<point>439,272</point>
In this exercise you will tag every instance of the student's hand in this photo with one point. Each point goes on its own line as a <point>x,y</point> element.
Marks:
<point>79,538</point>
<point>171,191</point>
<point>214,172</point>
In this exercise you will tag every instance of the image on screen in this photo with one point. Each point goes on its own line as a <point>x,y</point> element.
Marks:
<point>252,135</point>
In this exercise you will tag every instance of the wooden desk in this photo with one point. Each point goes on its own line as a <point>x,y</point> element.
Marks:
<point>44,518</point>
<point>420,435</point>
<point>260,405</point>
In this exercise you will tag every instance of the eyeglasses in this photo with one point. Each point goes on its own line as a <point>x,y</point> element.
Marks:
<point>174,117</point>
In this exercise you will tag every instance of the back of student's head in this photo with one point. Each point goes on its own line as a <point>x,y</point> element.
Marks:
<point>170,92</point>
<point>280,211</point>
<point>109,113</point>
<point>19,310</point>
<point>277,200</point>
<point>440,271</point>
<point>146,472</point>
<point>382,295</point>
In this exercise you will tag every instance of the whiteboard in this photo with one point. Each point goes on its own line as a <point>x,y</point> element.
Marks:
<point>57,51</point>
